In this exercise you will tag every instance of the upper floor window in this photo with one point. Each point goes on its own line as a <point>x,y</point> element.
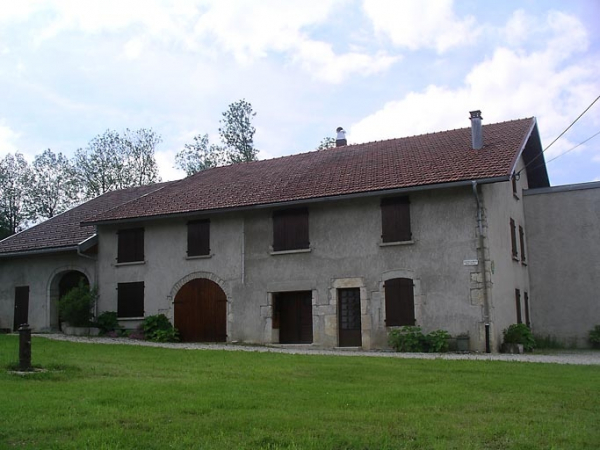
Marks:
<point>513,239</point>
<point>515,188</point>
<point>290,229</point>
<point>130,245</point>
<point>198,242</point>
<point>518,305</point>
<point>130,299</point>
<point>522,242</point>
<point>395,219</point>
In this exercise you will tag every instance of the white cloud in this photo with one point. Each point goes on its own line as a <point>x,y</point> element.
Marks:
<point>8,139</point>
<point>420,24</point>
<point>512,83</point>
<point>165,160</point>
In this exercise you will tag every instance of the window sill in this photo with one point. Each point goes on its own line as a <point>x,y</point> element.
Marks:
<point>516,197</point>
<point>516,258</point>
<point>393,244</point>
<point>524,263</point>
<point>198,257</point>
<point>125,319</point>
<point>290,252</point>
<point>132,263</point>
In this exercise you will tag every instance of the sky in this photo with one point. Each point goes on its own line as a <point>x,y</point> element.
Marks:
<point>71,69</point>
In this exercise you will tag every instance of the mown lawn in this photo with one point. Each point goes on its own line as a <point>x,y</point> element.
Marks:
<point>127,397</point>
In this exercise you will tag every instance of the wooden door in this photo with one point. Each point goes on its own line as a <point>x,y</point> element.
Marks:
<point>295,317</point>
<point>21,306</point>
<point>201,312</point>
<point>350,334</point>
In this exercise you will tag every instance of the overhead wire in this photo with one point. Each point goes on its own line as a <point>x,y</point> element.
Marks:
<point>560,135</point>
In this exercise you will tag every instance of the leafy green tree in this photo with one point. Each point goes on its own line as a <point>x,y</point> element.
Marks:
<point>54,187</point>
<point>200,156</point>
<point>113,161</point>
<point>237,132</point>
<point>327,142</point>
<point>15,183</point>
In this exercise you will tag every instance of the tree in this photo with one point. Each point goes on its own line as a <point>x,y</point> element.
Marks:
<point>327,142</point>
<point>54,187</point>
<point>112,161</point>
<point>15,182</point>
<point>237,132</point>
<point>200,156</point>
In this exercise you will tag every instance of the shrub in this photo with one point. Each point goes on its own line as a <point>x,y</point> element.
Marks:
<point>108,323</point>
<point>157,328</point>
<point>75,307</point>
<point>595,336</point>
<point>437,341</point>
<point>519,333</point>
<point>407,339</point>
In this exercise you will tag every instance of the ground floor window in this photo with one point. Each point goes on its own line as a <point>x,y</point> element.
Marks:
<point>399,302</point>
<point>130,299</point>
<point>292,315</point>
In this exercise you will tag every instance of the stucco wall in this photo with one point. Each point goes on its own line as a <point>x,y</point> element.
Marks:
<point>345,251</point>
<point>564,248</point>
<point>41,273</point>
<point>506,274</point>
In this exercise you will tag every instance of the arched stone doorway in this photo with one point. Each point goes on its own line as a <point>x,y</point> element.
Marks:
<point>200,309</point>
<point>62,283</point>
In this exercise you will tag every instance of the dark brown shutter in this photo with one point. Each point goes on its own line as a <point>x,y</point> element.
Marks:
<point>21,312</point>
<point>399,302</point>
<point>395,219</point>
<point>522,242</point>
<point>518,305</point>
<point>130,245</point>
<point>199,238</point>
<point>290,229</point>
<point>130,299</point>
<point>526,299</point>
<point>513,239</point>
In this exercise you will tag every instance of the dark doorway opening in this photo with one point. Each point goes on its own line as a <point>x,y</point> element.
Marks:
<point>350,334</point>
<point>293,315</point>
<point>21,306</point>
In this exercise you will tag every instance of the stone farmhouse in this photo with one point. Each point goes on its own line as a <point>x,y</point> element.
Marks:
<point>329,248</point>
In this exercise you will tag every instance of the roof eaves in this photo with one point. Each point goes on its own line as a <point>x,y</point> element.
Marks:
<point>39,251</point>
<point>374,193</point>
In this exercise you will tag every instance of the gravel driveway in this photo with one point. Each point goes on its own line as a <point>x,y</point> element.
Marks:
<point>580,357</point>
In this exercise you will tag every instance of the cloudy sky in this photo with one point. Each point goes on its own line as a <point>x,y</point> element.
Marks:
<point>70,69</point>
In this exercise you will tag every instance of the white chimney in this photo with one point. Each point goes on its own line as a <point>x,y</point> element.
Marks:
<point>340,139</point>
<point>476,129</point>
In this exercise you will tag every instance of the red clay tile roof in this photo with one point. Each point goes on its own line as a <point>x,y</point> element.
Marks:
<point>376,166</point>
<point>64,231</point>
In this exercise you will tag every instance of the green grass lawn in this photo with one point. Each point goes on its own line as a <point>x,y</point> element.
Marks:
<point>128,397</point>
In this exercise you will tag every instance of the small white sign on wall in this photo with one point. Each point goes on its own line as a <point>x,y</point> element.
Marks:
<point>470,262</point>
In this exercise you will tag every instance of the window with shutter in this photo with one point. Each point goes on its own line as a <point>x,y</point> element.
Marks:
<point>522,242</point>
<point>526,300</point>
<point>518,305</point>
<point>513,239</point>
<point>290,229</point>
<point>399,302</point>
<point>395,219</point>
<point>130,245</point>
<point>198,238</point>
<point>130,299</point>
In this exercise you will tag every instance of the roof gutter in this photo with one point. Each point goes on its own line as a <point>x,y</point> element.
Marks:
<point>395,191</point>
<point>40,251</point>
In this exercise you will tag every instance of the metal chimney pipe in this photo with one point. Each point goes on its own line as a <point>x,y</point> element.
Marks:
<point>476,129</point>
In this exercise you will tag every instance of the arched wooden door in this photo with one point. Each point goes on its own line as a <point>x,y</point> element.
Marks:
<point>201,312</point>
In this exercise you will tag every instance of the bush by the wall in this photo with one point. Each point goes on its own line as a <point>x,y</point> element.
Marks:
<point>519,333</point>
<point>108,323</point>
<point>157,328</point>
<point>412,339</point>
<point>75,307</point>
<point>594,336</point>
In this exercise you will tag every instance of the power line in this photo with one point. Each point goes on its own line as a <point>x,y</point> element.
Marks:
<point>560,135</point>
<point>572,123</point>
<point>573,148</point>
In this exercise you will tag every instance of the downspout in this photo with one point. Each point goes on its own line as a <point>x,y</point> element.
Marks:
<point>481,258</point>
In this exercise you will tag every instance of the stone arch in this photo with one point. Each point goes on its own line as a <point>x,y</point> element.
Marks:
<point>53,291</point>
